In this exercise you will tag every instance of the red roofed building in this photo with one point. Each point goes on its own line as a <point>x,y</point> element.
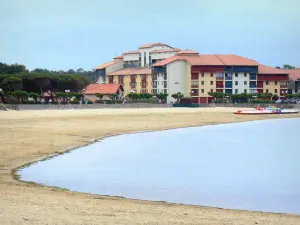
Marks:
<point>105,89</point>
<point>272,80</point>
<point>160,68</point>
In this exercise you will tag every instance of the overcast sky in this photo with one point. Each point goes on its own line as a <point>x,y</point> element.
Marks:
<point>63,34</point>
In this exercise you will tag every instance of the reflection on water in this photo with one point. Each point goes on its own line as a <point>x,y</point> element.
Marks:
<point>251,166</point>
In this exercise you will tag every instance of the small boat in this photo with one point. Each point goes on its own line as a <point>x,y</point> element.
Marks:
<point>270,110</point>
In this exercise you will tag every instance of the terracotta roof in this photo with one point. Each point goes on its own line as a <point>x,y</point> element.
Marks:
<point>132,71</point>
<point>195,60</point>
<point>263,69</point>
<point>294,74</point>
<point>107,64</point>
<point>188,51</point>
<point>167,50</point>
<point>150,45</point>
<point>102,89</point>
<point>119,57</point>
<point>130,52</point>
<point>235,60</point>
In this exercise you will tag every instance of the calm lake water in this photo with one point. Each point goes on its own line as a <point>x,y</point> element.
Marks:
<point>251,166</point>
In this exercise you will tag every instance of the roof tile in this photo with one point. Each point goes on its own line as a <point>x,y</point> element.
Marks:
<point>107,64</point>
<point>102,88</point>
<point>263,69</point>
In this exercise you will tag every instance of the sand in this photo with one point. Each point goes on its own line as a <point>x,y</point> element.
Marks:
<point>27,136</point>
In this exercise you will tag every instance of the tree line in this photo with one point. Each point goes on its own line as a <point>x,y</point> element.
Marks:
<point>16,77</point>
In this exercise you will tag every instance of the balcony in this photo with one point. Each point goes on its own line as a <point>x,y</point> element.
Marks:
<point>219,84</point>
<point>260,84</point>
<point>228,84</point>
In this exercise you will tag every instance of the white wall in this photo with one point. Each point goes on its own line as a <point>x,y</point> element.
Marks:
<point>160,82</point>
<point>162,55</point>
<point>147,50</point>
<point>241,86</point>
<point>131,57</point>
<point>101,80</point>
<point>177,78</point>
<point>115,67</point>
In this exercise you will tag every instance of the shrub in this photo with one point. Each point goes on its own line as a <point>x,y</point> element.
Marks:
<point>261,101</point>
<point>74,102</point>
<point>90,102</point>
<point>99,102</point>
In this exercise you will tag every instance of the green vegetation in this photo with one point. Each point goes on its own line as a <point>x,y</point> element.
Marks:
<point>177,96</point>
<point>17,78</point>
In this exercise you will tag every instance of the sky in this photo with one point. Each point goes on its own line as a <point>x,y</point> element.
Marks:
<point>65,34</point>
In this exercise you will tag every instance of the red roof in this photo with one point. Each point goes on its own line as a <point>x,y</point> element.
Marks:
<point>119,57</point>
<point>235,60</point>
<point>130,52</point>
<point>150,45</point>
<point>188,52</point>
<point>263,69</point>
<point>102,89</point>
<point>167,50</point>
<point>107,64</point>
<point>294,74</point>
<point>194,60</point>
<point>132,71</point>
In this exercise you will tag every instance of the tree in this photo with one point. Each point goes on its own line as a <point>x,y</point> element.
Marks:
<point>20,95</point>
<point>100,96</point>
<point>177,96</point>
<point>277,67</point>
<point>80,70</point>
<point>288,67</point>
<point>112,96</point>
<point>34,96</point>
<point>12,83</point>
<point>162,96</point>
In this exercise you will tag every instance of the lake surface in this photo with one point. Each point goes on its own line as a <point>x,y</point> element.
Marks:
<point>250,166</point>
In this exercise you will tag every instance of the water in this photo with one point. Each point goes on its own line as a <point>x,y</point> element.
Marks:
<point>250,166</point>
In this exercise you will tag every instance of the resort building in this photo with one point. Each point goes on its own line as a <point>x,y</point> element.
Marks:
<point>294,81</point>
<point>159,68</point>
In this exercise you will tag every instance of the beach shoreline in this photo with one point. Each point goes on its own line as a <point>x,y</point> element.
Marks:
<point>23,135</point>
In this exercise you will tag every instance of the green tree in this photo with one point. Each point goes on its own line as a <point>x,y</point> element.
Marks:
<point>34,96</point>
<point>162,96</point>
<point>20,95</point>
<point>100,96</point>
<point>177,96</point>
<point>289,67</point>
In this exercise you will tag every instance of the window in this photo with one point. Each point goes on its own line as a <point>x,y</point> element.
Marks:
<point>236,74</point>
<point>202,82</point>
<point>245,91</point>
<point>211,83</point>
<point>165,91</point>
<point>212,75</point>
<point>236,83</point>
<point>252,76</point>
<point>236,91</point>
<point>165,84</point>
<point>202,90</point>
<point>267,82</point>
<point>195,83</point>
<point>275,82</point>
<point>267,90</point>
<point>202,74</point>
<point>245,74</point>
<point>165,76</point>
<point>211,90</point>
<point>275,90</point>
<point>245,82</point>
<point>220,75</point>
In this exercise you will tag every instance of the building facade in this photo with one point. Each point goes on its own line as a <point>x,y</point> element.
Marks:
<point>159,68</point>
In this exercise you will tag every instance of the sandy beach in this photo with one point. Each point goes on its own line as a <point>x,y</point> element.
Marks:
<point>28,136</point>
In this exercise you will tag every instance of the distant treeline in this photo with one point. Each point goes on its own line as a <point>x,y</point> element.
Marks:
<point>17,77</point>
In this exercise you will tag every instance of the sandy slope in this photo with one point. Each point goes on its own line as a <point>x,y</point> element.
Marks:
<point>30,135</point>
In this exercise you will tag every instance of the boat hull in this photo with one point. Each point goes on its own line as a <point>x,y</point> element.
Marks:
<point>264,112</point>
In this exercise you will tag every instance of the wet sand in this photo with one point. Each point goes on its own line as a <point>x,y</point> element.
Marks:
<point>27,136</point>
